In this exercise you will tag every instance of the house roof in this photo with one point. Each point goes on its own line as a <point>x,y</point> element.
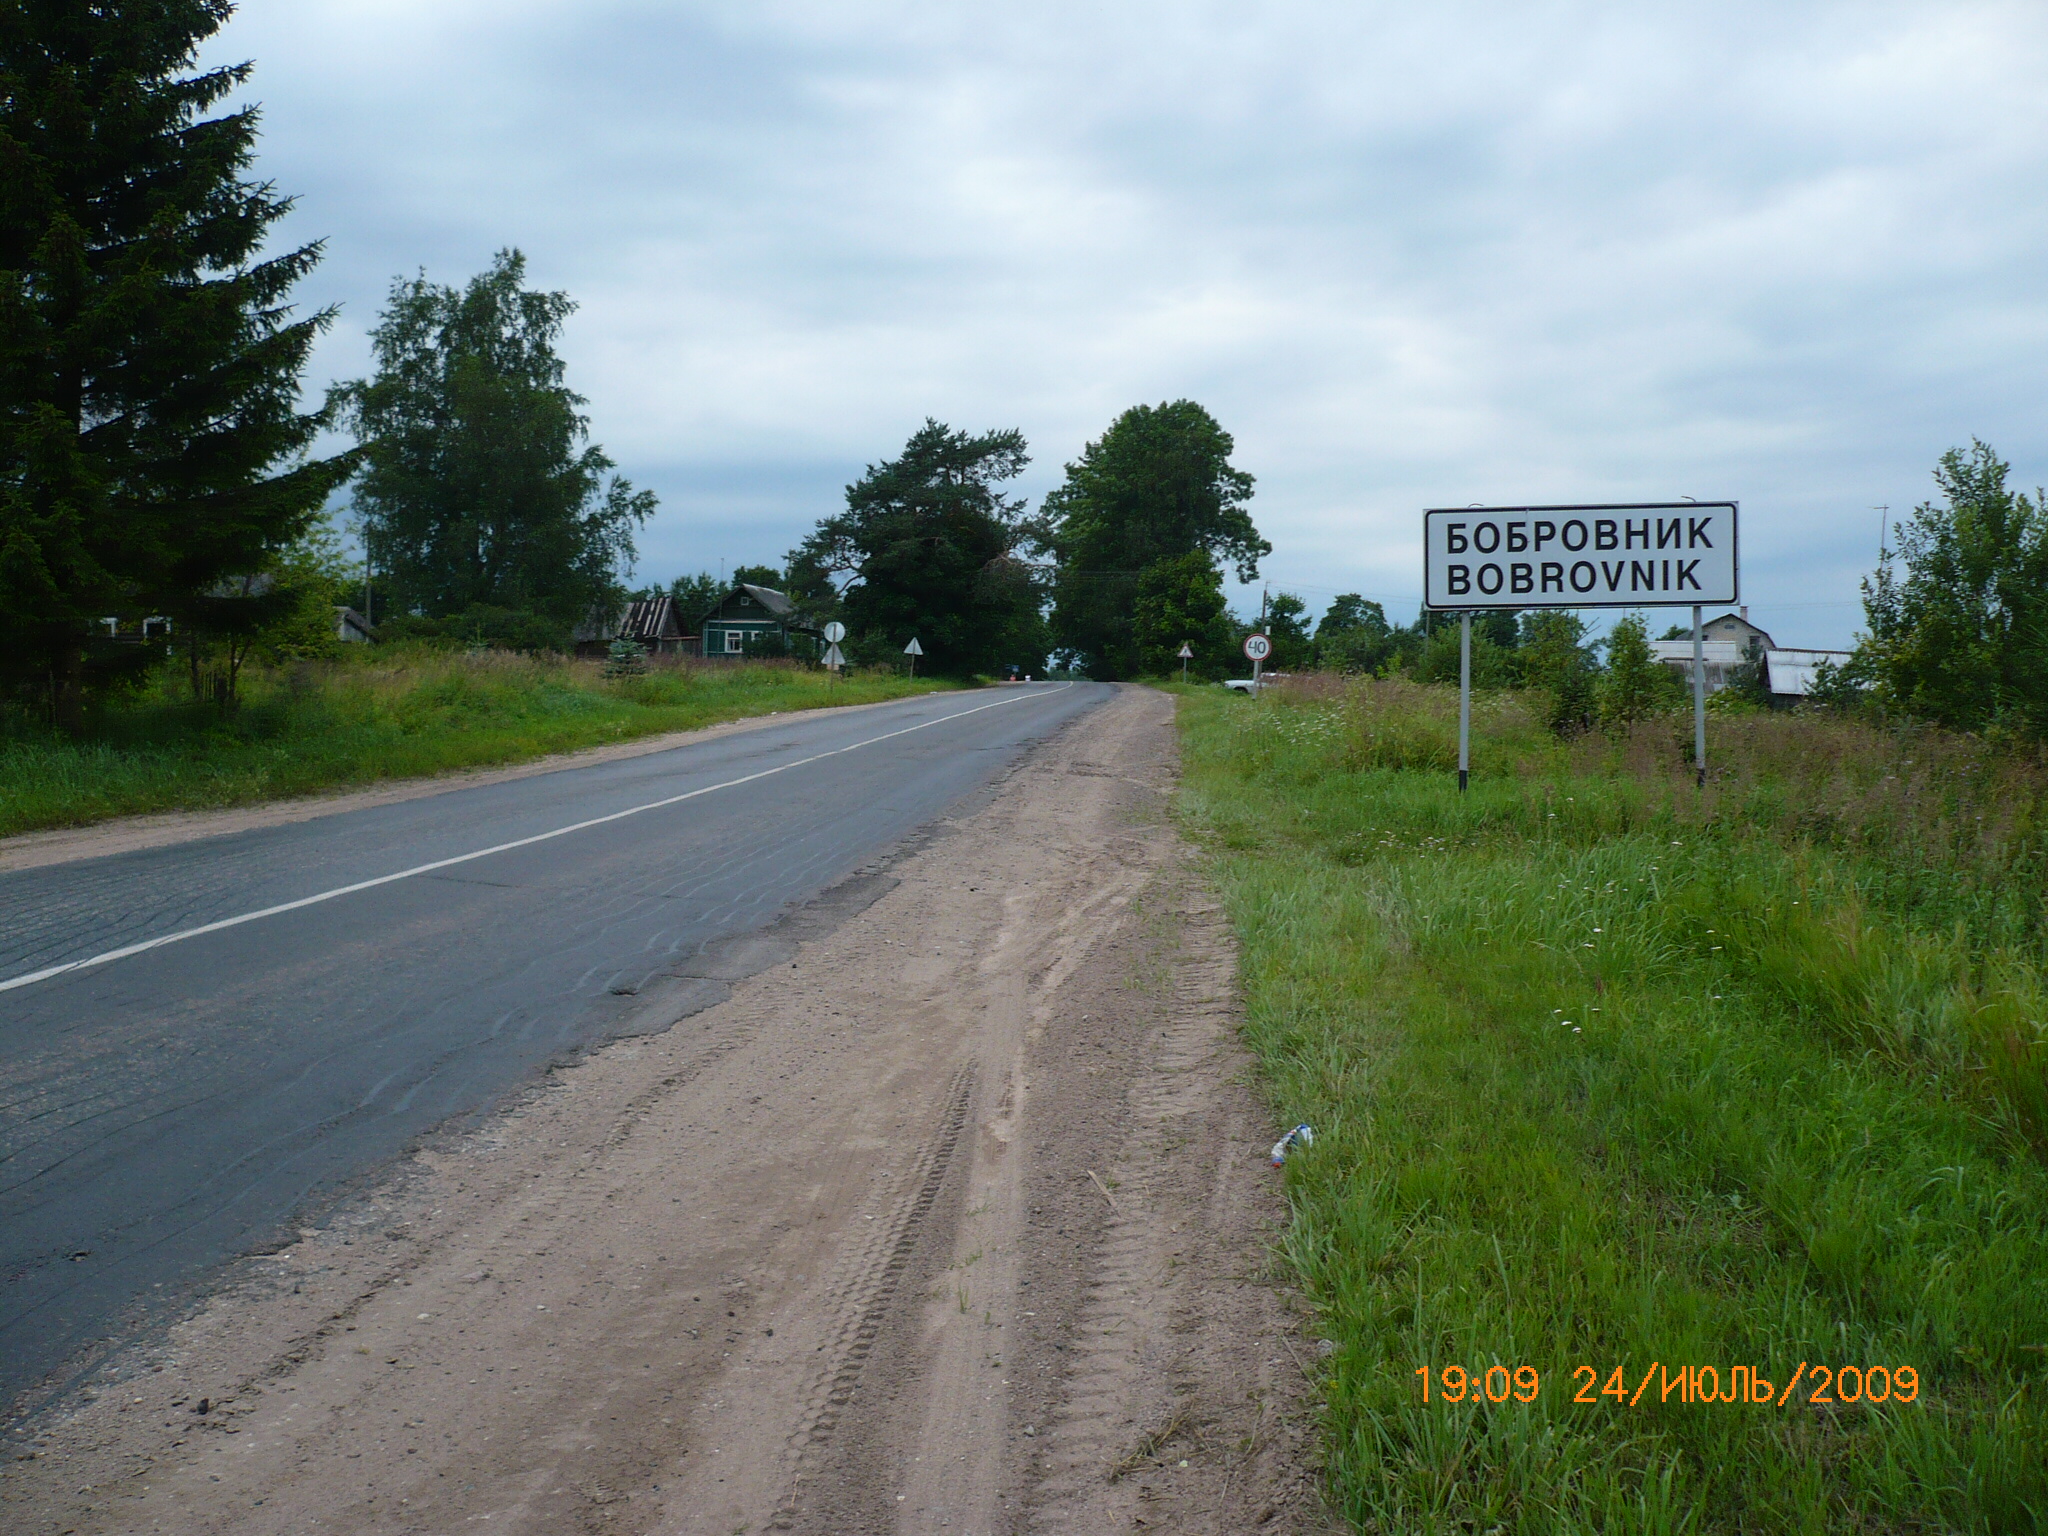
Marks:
<point>777,603</point>
<point>650,618</point>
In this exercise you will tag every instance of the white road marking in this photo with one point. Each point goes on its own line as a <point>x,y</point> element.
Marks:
<point>484,853</point>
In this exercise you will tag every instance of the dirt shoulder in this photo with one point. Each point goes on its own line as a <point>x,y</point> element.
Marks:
<point>954,1218</point>
<point>124,834</point>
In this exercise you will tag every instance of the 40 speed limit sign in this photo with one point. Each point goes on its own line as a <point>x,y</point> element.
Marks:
<point>1257,647</point>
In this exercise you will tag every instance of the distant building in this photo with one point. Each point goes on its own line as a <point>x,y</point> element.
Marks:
<point>350,627</point>
<point>1736,628</point>
<point>746,615</point>
<point>1726,643</point>
<point>1790,673</point>
<point>647,621</point>
<point>1719,658</point>
<point>652,622</point>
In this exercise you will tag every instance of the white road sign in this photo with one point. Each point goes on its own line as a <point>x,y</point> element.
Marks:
<point>1186,651</point>
<point>1648,555</point>
<point>832,656</point>
<point>913,649</point>
<point>1257,647</point>
<point>834,632</point>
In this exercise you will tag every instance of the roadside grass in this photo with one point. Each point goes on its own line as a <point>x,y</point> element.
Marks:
<point>1606,1073</point>
<point>401,713</point>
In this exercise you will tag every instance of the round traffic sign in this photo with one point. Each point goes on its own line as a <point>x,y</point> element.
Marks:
<point>1257,647</point>
<point>834,632</point>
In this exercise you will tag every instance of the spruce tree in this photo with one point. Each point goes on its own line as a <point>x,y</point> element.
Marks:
<point>150,441</point>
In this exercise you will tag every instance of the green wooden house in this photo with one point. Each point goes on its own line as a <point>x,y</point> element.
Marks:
<point>745,615</point>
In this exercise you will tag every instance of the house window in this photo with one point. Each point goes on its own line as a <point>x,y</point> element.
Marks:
<point>734,641</point>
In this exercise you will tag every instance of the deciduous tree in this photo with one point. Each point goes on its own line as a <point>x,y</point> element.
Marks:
<point>1156,486</point>
<point>1287,627</point>
<point>1958,615</point>
<point>1636,685</point>
<point>1180,601</point>
<point>479,486</point>
<point>1354,635</point>
<point>1557,660</point>
<point>929,548</point>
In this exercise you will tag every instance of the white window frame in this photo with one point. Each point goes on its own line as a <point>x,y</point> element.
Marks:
<point>735,642</point>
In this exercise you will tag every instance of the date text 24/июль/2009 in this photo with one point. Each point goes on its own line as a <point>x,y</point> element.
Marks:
<point>1822,1385</point>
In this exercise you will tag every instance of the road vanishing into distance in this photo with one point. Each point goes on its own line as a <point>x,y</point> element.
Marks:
<point>197,1040</point>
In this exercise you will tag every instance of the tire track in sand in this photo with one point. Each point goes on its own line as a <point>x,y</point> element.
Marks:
<point>1115,1379</point>
<point>865,1288</point>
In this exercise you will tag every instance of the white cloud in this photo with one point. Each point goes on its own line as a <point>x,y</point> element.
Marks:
<point>1408,255</point>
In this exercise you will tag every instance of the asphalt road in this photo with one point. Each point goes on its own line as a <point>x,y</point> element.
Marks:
<point>170,1108</point>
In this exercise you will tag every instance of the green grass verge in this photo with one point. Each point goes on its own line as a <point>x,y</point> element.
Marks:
<point>1604,1074</point>
<point>378,717</point>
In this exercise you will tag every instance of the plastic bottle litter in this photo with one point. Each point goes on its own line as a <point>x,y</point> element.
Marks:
<point>1300,1136</point>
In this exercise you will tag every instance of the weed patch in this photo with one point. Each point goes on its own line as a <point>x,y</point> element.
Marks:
<point>1620,1082</point>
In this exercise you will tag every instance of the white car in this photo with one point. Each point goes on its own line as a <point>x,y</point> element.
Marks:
<point>1247,685</point>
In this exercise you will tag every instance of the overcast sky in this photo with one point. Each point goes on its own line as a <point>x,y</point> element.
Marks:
<point>1408,255</point>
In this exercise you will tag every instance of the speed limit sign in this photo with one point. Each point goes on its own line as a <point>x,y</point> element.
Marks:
<point>1257,647</point>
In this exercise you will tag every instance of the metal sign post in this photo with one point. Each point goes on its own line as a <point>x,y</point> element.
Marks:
<point>1699,698</point>
<point>913,651</point>
<point>1464,701</point>
<point>1662,554</point>
<point>1258,648</point>
<point>1186,651</point>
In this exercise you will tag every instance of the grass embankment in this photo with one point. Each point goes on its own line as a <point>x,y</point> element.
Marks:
<point>1605,1072</point>
<point>385,716</point>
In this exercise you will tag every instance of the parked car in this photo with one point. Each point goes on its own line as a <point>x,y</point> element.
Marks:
<point>1247,685</point>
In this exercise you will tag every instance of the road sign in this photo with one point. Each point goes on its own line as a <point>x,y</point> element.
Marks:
<point>1186,650</point>
<point>1639,555</point>
<point>1257,647</point>
<point>832,656</point>
<point>834,632</point>
<point>913,649</point>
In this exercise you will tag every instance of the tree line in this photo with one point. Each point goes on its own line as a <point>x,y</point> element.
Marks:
<point>158,474</point>
<point>157,464</point>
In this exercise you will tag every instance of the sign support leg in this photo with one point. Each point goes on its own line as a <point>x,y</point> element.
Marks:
<point>1699,698</point>
<point>1464,701</point>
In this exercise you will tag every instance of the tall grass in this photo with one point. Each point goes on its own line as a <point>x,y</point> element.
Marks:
<point>391,714</point>
<point>1608,1072</point>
